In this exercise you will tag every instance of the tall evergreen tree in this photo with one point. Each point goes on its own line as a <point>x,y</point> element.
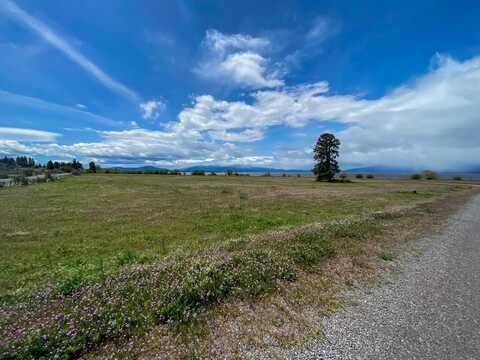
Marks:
<point>92,167</point>
<point>325,153</point>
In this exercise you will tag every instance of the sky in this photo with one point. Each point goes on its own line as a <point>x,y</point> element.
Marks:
<point>179,83</point>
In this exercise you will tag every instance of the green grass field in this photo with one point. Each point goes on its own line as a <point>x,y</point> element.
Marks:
<point>76,229</point>
<point>99,258</point>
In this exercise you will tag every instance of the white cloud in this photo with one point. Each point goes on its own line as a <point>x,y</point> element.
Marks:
<point>222,44</point>
<point>16,13</point>
<point>151,109</point>
<point>247,135</point>
<point>18,134</point>
<point>81,106</point>
<point>431,122</point>
<point>249,69</point>
<point>237,60</point>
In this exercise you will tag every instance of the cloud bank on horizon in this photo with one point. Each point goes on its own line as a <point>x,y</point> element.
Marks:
<point>259,113</point>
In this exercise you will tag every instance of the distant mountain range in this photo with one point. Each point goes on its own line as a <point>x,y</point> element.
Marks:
<point>240,168</point>
<point>381,169</point>
<point>216,168</point>
<point>400,170</point>
<point>259,169</point>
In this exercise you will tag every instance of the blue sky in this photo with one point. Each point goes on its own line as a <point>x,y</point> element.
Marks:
<point>175,83</point>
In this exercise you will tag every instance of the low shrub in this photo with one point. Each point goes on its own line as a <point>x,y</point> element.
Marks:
<point>343,176</point>
<point>49,177</point>
<point>359,176</point>
<point>20,180</point>
<point>385,255</point>
<point>430,175</point>
<point>416,177</point>
<point>198,173</point>
<point>309,249</point>
<point>457,178</point>
<point>370,176</point>
<point>27,172</point>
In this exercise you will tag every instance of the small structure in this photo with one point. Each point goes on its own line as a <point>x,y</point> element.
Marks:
<point>6,182</point>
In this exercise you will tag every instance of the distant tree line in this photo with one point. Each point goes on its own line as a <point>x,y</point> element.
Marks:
<point>19,161</point>
<point>64,166</point>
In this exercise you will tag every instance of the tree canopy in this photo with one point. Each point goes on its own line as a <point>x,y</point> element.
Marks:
<point>325,154</point>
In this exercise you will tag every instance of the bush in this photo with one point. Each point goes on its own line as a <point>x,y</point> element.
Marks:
<point>48,176</point>
<point>457,178</point>
<point>416,177</point>
<point>198,173</point>
<point>343,176</point>
<point>20,180</point>
<point>359,176</point>
<point>213,173</point>
<point>370,176</point>
<point>430,175</point>
<point>385,255</point>
<point>28,172</point>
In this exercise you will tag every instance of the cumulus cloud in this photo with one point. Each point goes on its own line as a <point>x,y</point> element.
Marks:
<point>238,59</point>
<point>429,122</point>
<point>151,109</point>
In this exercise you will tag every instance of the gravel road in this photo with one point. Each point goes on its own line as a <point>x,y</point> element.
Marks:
<point>428,310</point>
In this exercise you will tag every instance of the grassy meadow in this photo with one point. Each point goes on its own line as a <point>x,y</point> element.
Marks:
<point>106,257</point>
<point>71,230</point>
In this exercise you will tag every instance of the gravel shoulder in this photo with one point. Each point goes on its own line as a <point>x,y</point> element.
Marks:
<point>427,310</point>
